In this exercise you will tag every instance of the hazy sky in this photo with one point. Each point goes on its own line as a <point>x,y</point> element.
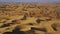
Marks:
<point>29,0</point>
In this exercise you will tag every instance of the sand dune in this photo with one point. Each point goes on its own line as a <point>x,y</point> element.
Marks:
<point>29,18</point>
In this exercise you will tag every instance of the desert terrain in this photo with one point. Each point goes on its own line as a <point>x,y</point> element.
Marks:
<point>29,18</point>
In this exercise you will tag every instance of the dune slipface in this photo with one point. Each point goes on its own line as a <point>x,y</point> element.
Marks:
<point>29,18</point>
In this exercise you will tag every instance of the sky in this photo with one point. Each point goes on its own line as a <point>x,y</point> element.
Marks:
<point>29,0</point>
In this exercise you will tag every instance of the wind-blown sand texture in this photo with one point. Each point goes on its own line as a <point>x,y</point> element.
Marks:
<point>29,18</point>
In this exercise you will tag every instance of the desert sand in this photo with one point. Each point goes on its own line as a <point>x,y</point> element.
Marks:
<point>29,18</point>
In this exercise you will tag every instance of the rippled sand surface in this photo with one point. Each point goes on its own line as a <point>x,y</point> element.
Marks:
<point>29,18</point>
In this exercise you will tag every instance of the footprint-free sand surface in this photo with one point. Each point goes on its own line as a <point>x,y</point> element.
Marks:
<point>29,18</point>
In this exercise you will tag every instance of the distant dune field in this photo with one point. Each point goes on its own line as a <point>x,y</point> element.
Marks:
<point>29,18</point>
